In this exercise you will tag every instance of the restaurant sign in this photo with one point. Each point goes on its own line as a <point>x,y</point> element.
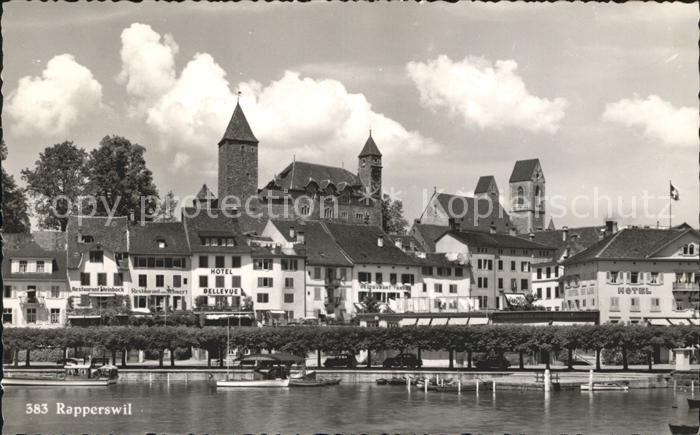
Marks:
<point>98,289</point>
<point>223,291</point>
<point>633,291</point>
<point>158,291</point>
<point>398,287</point>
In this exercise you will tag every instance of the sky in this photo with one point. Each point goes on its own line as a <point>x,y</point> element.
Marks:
<point>605,95</point>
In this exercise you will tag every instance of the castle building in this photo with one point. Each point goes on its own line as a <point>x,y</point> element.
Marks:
<point>527,192</point>
<point>301,189</point>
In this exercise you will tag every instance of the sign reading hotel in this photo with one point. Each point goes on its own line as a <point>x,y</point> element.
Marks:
<point>224,271</point>
<point>222,291</point>
<point>98,289</point>
<point>633,291</point>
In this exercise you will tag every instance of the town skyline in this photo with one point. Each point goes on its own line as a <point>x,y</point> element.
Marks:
<point>149,68</point>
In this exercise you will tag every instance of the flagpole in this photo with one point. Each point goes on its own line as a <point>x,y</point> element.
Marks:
<point>670,203</point>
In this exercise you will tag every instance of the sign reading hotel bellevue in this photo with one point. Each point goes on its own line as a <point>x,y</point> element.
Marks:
<point>633,291</point>
<point>98,289</point>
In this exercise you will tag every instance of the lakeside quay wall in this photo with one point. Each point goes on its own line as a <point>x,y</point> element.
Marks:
<point>505,380</point>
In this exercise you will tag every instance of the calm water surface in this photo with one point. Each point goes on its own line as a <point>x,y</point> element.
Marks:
<point>199,407</point>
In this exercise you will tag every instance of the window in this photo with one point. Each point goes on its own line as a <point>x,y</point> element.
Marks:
<point>203,281</point>
<point>459,271</point>
<point>317,273</point>
<point>86,239</point>
<point>393,279</point>
<point>264,282</point>
<point>359,217</point>
<point>96,256</point>
<point>689,249</point>
<point>317,293</point>
<point>7,291</point>
<point>39,266</point>
<point>364,277</point>
<point>453,288</point>
<point>85,279</point>
<point>219,261</point>
<point>305,211</point>
<point>482,250</point>
<point>263,298</point>
<point>407,278</point>
<point>539,293</point>
<point>7,315</point>
<point>512,266</point>
<point>500,264</point>
<point>500,283</point>
<point>556,272</point>
<point>203,261</point>
<point>143,280</point>
<point>55,291</point>
<point>290,264</point>
<point>289,298</point>
<point>160,281</point>
<point>262,264</point>
<point>523,284</point>
<point>23,266</point>
<point>539,273</point>
<point>614,277</point>
<point>549,272</point>
<point>634,304</point>
<point>513,284</point>
<point>55,315</point>
<point>219,281</point>
<point>343,274</point>
<point>479,265</point>
<point>235,262</point>
<point>31,315</point>
<point>437,287</point>
<point>654,278</point>
<point>655,304</point>
<point>524,266</point>
<point>118,279</point>
<point>634,277</point>
<point>378,278</point>
<point>177,281</point>
<point>483,302</point>
<point>289,283</point>
<point>427,270</point>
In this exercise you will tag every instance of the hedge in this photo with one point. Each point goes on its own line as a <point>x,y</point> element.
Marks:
<point>302,340</point>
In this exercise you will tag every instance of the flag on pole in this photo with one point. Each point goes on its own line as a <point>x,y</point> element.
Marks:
<point>674,193</point>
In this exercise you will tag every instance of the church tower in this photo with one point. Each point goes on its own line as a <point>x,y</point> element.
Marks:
<point>238,162</point>
<point>527,196</point>
<point>370,168</point>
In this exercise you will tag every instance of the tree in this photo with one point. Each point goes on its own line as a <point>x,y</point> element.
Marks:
<point>119,179</point>
<point>56,182</point>
<point>393,221</point>
<point>15,215</point>
<point>166,208</point>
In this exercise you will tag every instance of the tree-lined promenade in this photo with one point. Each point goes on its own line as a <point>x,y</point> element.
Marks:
<point>301,341</point>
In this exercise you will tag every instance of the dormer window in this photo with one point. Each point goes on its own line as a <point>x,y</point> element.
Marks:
<point>86,239</point>
<point>161,243</point>
<point>96,256</point>
<point>23,266</point>
<point>689,249</point>
<point>39,266</point>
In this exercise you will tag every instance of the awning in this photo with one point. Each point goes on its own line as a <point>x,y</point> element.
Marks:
<point>479,321</point>
<point>695,321</point>
<point>679,321</point>
<point>408,321</point>
<point>424,321</point>
<point>459,320</point>
<point>437,321</point>
<point>102,295</point>
<point>658,322</point>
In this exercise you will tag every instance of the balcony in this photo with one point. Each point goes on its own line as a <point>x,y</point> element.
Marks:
<point>686,286</point>
<point>453,304</point>
<point>31,301</point>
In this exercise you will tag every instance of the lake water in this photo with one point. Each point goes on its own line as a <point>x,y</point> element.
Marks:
<point>200,407</point>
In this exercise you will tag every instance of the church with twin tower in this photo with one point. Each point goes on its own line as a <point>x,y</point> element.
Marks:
<point>301,189</point>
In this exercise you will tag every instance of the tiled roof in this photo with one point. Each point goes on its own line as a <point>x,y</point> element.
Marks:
<point>370,148</point>
<point>523,169</point>
<point>143,239</point>
<point>479,214</point>
<point>408,242</point>
<point>427,235</point>
<point>58,260</point>
<point>297,175</point>
<point>321,249</point>
<point>47,240</point>
<point>478,238</point>
<point>359,242</point>
<point>250,224</point>
<point>577,239</point>
<point>107,233</point>
<point>238,129</point>
<point>630,244</point>
<point>434,259</point>
<point>482,186</point>
<point>200,224</point>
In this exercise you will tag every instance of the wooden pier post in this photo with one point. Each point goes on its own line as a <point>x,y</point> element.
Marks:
<point>408,383</point>
<point>459,385</point>
<point>493,388</point>
<point>590,381</point>
<point>547,380</point>
<point>425,384</point>
<point>477,386</point>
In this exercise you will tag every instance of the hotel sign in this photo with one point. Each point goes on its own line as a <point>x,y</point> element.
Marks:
<point>98,289</point>
<point>224,271</point>
<point>633,291</point>
<point>222,291</point>
<point>158,291</point>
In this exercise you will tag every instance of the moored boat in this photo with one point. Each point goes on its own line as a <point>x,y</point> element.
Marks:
<point>313,382</point>
<point>681,429</point>
<point>279,383</point>
<point>605,386</point>
<point>74,375</point>
<point>693,403</point>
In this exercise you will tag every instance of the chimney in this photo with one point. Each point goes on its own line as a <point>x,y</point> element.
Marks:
<point>380,241</point>
<point>492,228</point>
<point>564,233</point>
<point>292,233</point>
<point>610,227</point>
<point>454,224</point>
<point>300,237</point>
<point>531,236</point>
<point>397,243</point>
<point>513,231</point>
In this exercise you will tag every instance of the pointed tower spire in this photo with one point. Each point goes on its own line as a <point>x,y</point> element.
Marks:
<point>370,148</point>
<point>238,129</point>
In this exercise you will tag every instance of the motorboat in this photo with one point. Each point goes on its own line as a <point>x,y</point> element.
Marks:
<point>693,403</point>
<point>311,380</point>
<point>88,374</point>
<point>279,383</point>
<point>605,386</point>
<point>681,429</point>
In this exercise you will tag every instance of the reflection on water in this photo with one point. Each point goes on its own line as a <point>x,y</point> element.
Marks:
<point>199,407</point>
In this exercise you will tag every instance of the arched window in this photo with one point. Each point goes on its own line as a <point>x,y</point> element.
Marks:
<point>520,198</point>
<point>305,210</point>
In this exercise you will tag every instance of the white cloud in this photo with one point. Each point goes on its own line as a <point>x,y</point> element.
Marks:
<point>53,103</point>
<point>660,120</point>
<point>485,94</point>
<point>316,120</point>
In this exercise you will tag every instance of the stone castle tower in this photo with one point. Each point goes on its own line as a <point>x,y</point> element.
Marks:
<point>238,161</point>
<point>527,195</point>
<point>370,168</point>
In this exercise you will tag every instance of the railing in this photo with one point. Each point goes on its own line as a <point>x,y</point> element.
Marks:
<point>454,304</point>
<point>226,308</point>
<point>686,286</point>
<point>23,300</point>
